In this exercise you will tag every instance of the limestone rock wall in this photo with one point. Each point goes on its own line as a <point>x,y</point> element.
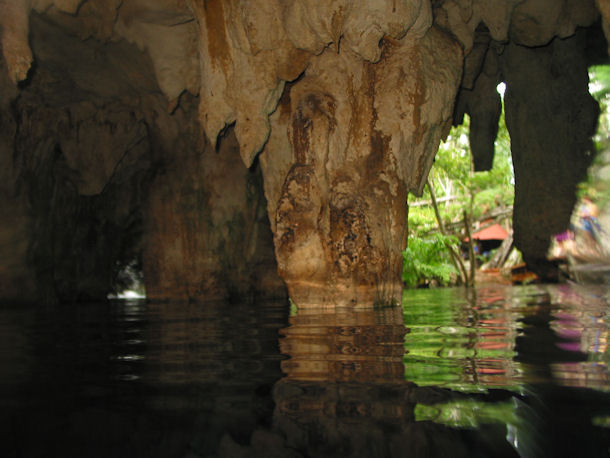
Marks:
<point>15,275</point>
<point>206,232</point>
<point>248,50</point>
<point>74,157</point>
<point>541,55</point>
<point>89,143</point>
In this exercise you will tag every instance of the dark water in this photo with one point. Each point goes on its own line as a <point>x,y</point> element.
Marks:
<point>496,372</point>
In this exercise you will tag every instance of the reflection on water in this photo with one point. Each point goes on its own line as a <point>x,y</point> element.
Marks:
<point>344,392</point>
<point>362,346</point>
<point>496,372</point>
<point>467,341</point>
<point>134,379</point>
<point>534,359</point>
<point>462,340</point>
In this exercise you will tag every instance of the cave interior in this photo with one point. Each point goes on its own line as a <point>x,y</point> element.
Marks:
<point>232,149</point>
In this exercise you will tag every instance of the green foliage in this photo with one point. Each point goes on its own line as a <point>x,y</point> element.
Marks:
<point>421,220</point>
<point>600,81</point>
<point>458,187</point>
<point>597,184</point>
<point>428,259</point>
<point>468,413</point>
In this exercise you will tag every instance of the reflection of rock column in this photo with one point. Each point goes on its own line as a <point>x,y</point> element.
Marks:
<point>233,352</point>
<point>348,140</point>
<point>357,347</point>
<point>344,382</point>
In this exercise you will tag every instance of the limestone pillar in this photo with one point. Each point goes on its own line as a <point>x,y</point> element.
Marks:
<point>348,140</point>
<point>550,117</point>
<point>345,104</point>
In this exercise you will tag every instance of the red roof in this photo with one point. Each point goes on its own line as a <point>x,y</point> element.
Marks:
<point>493,232</point>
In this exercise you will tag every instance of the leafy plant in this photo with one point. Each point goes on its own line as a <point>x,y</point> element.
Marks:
<point>427,259</point>
<point>458,193</point>
<point>597,185</point>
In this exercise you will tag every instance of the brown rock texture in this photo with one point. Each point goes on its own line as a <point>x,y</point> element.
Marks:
<point>350,139</point>
<point>206,229</point>
<point>146,131</point>
<point>345,346</point>
<point>102,176</point>
<point>74,159</point>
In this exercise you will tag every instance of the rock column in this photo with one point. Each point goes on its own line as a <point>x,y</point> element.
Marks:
<point>551,117</point>
<point>348,140</point>
<point>345,104</point>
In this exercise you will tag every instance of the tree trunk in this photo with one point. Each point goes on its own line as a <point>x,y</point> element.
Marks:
<point>455,257</point>
<point>470,281</point>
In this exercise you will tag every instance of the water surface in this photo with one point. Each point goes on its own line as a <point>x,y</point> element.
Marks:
<point>496,371</point>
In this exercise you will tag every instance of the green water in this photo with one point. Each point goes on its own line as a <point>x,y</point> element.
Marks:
<point>532,360</point>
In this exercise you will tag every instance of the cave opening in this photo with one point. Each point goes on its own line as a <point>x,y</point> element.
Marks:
<point>551,118</point>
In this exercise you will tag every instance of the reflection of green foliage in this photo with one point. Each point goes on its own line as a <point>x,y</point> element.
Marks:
<point>441,347</point>
<point>467,413</point>
<point>293,308</point>
<point>427,259</point>
<point>602,421</point>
